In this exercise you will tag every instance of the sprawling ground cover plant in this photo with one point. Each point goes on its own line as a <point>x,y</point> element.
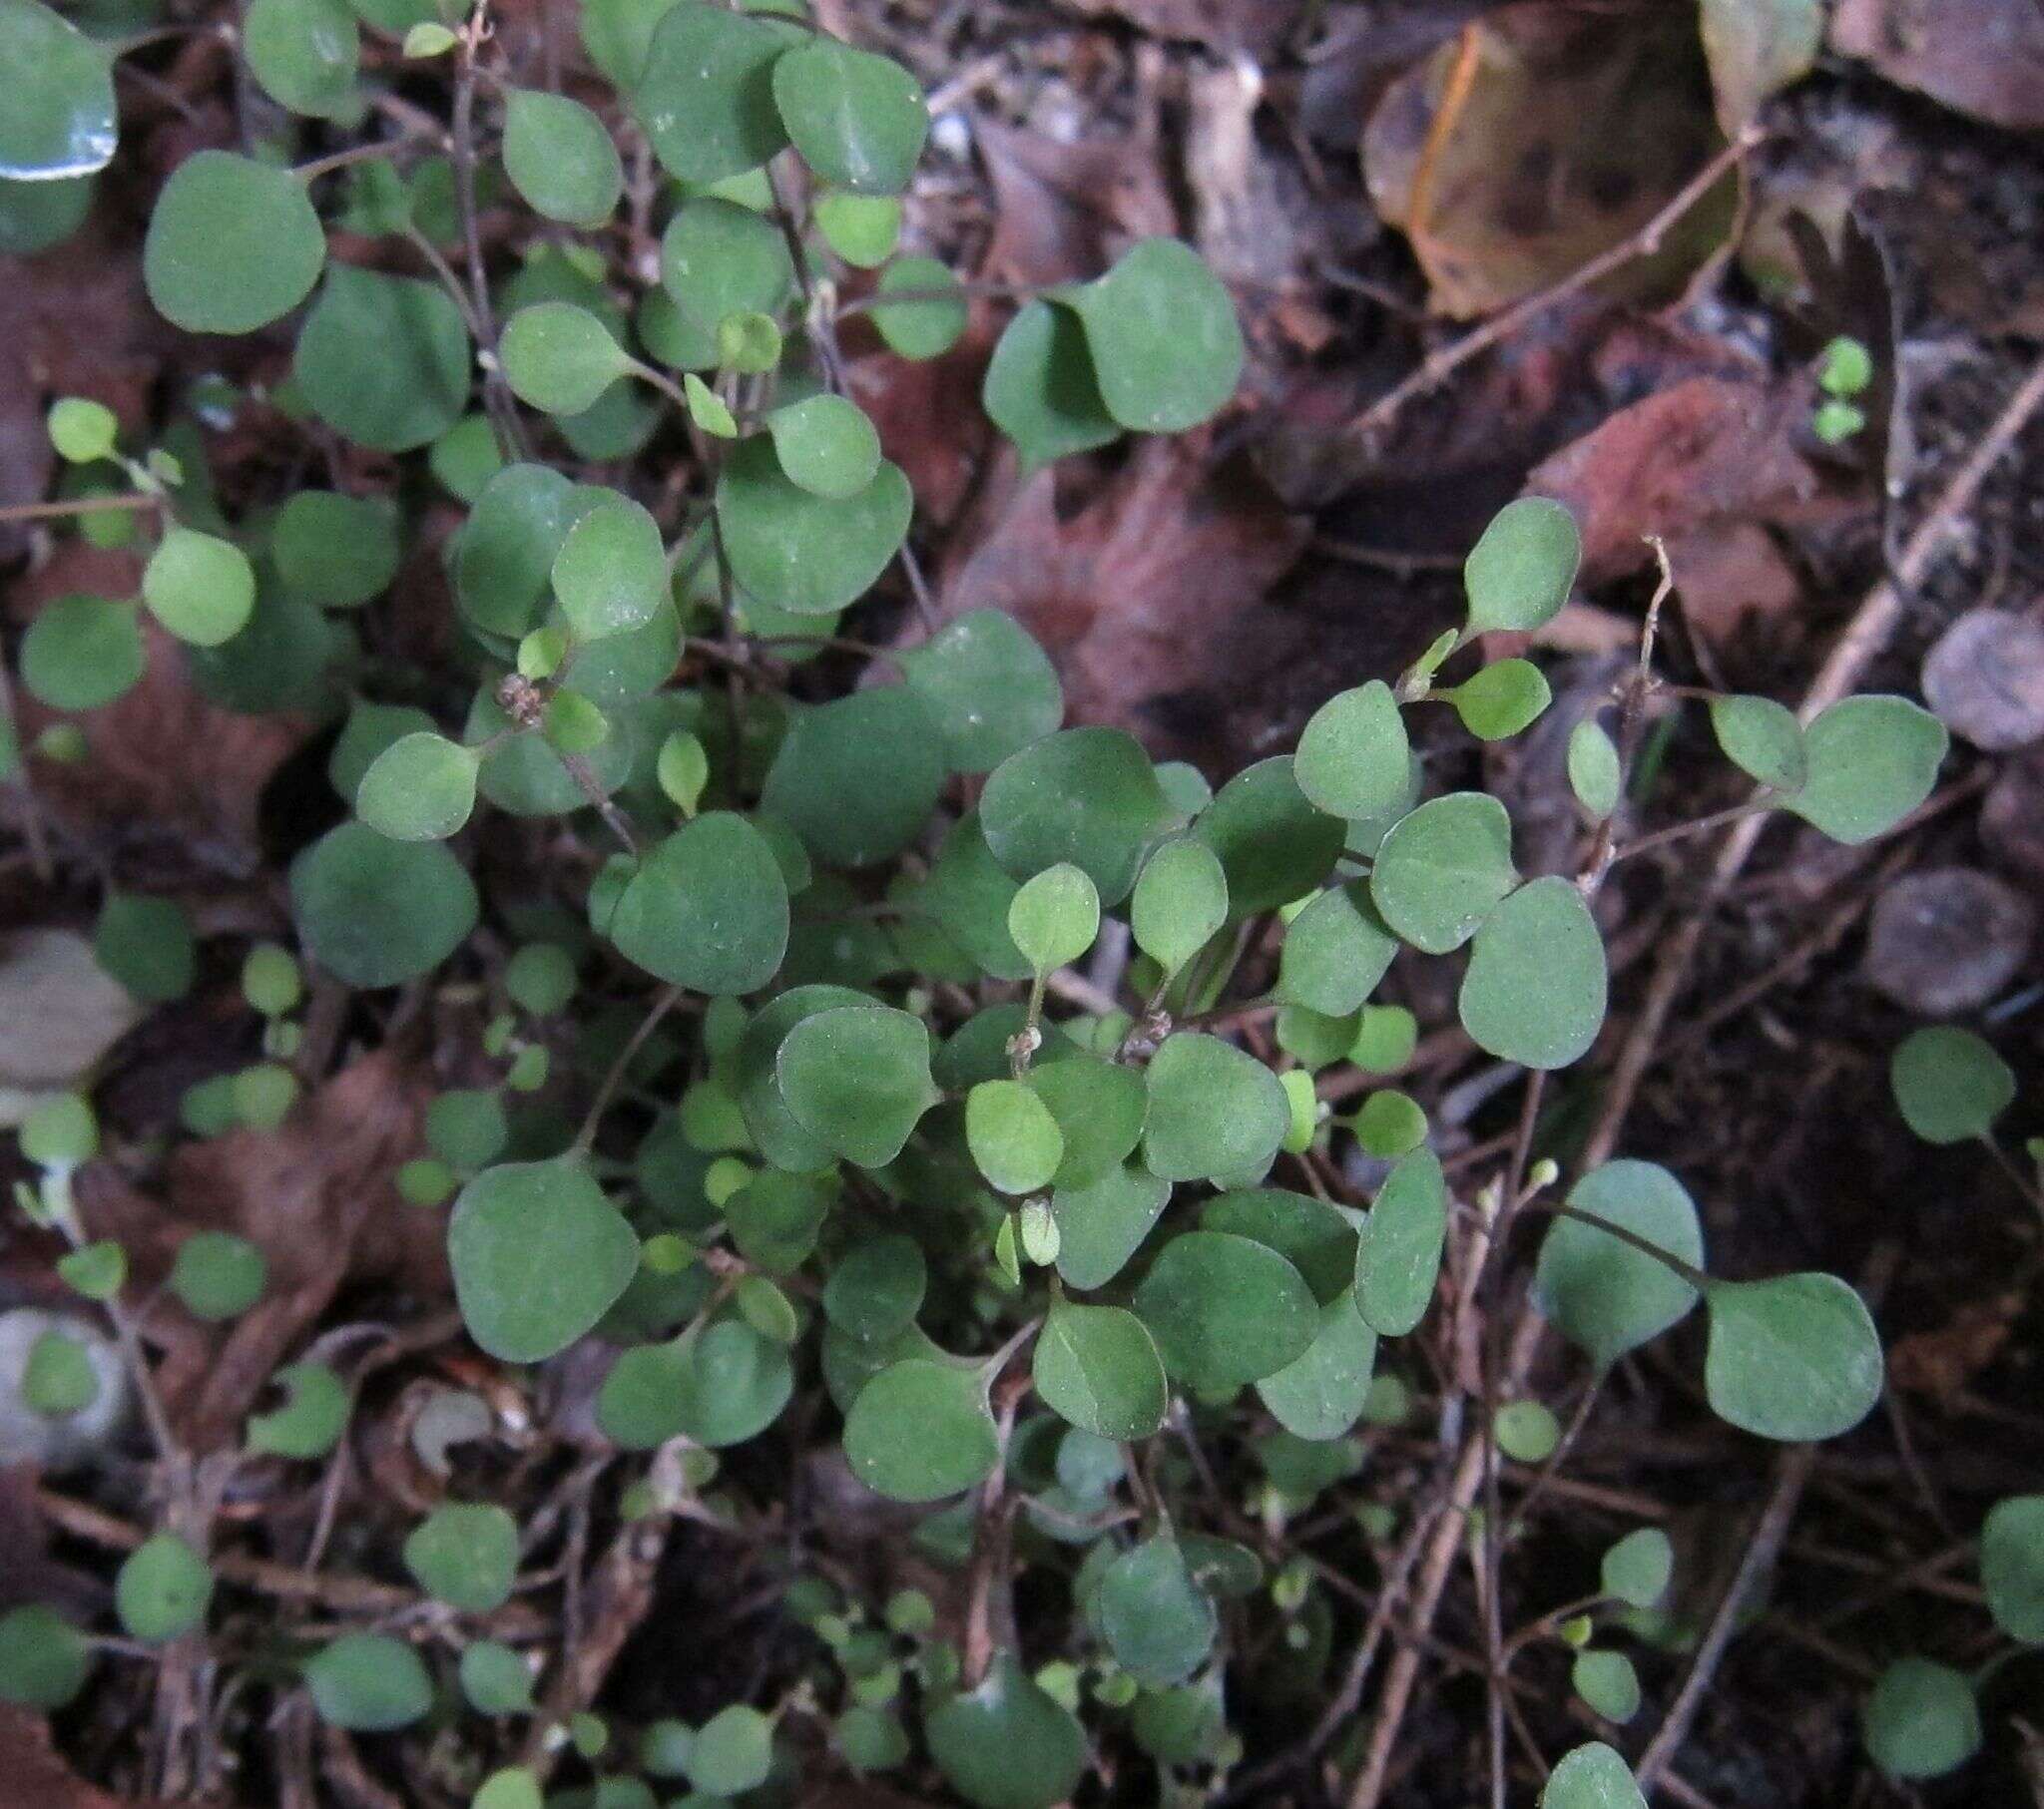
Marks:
<point>855,1114</point>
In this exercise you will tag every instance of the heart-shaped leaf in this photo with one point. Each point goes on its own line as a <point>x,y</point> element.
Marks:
<point>539,1256</point>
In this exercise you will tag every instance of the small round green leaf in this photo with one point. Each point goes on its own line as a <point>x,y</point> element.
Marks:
<point>233,245</point>
<point>858,1078</point>
<point>421,789</point>
<point>1871,760</point>
<point>989,688</point>
<point>82,430</point>
<point>44,1659</point>
<point>611,572</point>
<point>1085,795</point>
<point>311,1419</point>
<point>1603,1294</point>
<point>922,1429</point>
<point>1009,1744</point>
<point>559,357</point>
<point>368,1683</point>
<point>1595,772</point>
<point>860,228</point>
<point>1592,1777</point>
<point>560,157</point>
<point>1179,903</point>
<point>218,1276</point>
<point>1157,1622</point>
<point>1215,1111</point>
<point>1763,739</point>
<point>2012,1567</point>
<point>1794,1357</point>
<point>1335,952</point>
<point>1054,917</point>
<point>1167,349</point>
<point>1608,1683</point>
<point>733,1752</point>
<point>706,95</point>
<point>1275,846</point>
<point>539,1256</point>
<point>376,912</point>
<point>57,112</point>
<point>1922,1719</point>
<point>305,54</point>
<point>82,652</point>
<point>163,1589</point>
<point>335,551</point>
<point>931,314</point>
<point>707,908</point>
<point>1443,869</point>
<point>1040,389</point>
<point>1098,1366</point>
<point>1101,1225</point>
<point>875,1287</point>
<point>96,1271</point>
<point>1354,760</point>
<point>1637,1570</point>
<point>58,1379</point>
<point>1012,1135</point>
<point>1500,701</point>
<point>1225,1310</point>
<point>825,445</point>
<point>1949,1083</point>
<point>810,555</point>
<point>1536,986</point>
<point>718,258</point>
<point>858,119</point>
<point>383,361</point>
<point>1321,1394</point>
<point>1398,1258</point>
<point>1099,1105</point>
<point>465,1553</point>
<point>857,779</point>
<point>199,587</point>
<point>1519,573</point>
<point>495,1680</point>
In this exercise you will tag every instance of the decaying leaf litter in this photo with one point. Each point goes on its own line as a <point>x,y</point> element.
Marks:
<point>1405,201</point>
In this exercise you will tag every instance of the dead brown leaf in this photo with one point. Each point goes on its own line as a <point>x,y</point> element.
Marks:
<point>1061,210</point>
<point>315,1194</point>
<point>1545,133</point>
<point>167,765</point>
<point>1698,457</point>
<point>1981,57</point>
<point>1944,1361</point>
<point>929,416</point>
<point>1149,598</point>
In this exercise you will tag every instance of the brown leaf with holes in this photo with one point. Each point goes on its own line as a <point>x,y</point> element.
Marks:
<point>1980,57</point>
<point>38,1778</point>
<point>1148,597</point>
<point>168,767</point>
<point>316,1195</point>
